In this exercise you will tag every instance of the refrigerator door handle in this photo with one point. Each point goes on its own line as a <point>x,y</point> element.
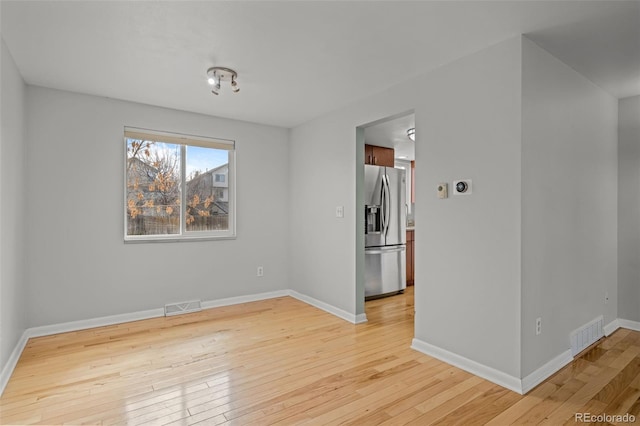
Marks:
<point>383,203</point>
<point>387,203</point>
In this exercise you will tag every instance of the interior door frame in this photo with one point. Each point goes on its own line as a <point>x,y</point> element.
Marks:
<point>359,196</point>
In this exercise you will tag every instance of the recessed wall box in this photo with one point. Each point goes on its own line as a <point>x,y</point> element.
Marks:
<point>462,187</point>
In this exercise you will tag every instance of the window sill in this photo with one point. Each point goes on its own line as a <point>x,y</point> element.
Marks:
<point>177,239</point>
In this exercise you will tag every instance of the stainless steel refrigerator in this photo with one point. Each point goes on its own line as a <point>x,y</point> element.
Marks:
<point>385,231</point>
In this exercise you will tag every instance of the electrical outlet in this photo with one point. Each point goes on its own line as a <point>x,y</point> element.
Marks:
<point>340,211</point>
<point>260,271</point>
<point>538,326</point>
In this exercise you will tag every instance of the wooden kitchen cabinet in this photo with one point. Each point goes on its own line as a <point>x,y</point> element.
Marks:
<point>410,257</point>
<point>379,156</point>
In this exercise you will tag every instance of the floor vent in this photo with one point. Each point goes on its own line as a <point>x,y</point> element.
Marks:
<point>182,308</point>
<point>587,335</point>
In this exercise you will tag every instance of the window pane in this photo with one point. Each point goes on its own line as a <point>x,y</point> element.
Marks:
<point>153,188</point>
<point>207,189</point>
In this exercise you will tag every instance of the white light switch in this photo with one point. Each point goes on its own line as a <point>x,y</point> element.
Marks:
<point>340,211</point>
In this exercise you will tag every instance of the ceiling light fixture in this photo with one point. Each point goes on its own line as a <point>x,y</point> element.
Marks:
<point>411,133</point>
<point>216,75</point>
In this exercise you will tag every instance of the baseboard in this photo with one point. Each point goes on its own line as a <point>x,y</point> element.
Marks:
<point>66,327</point>
<point>473,367</point>
<point>521,386</point>
<point>141,315</point>
<point>546,371</point>
<point>340,313</point>
<point>360,318</point>
<point>553,366</point>
<point>8,368</point>
<point>611,327</point>
<point>208,304</point>
<point>631,325</point>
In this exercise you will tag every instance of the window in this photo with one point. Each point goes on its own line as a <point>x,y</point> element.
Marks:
<point>172,191</point>
<point>220,194</point>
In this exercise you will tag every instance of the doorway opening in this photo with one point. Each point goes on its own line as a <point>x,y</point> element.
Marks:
<point>385,188</point>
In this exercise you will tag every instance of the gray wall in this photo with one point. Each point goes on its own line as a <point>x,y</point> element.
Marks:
<point>467,273</point>
<point>629,209</point>
<point>79,266</point>
<point>569,204</point>
<point>12,205</point>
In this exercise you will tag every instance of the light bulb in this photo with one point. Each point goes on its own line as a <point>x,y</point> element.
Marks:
<point>211,81</point>
<point>234,86</point>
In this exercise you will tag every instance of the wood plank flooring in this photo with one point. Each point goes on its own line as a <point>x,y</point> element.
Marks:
<point>283,362</point>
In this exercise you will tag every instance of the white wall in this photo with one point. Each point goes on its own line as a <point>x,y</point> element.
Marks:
<point>629,208</point>
<point>78,264</point>
<point>569,204</point>
<point>467,273</point>
<point>12,205</point>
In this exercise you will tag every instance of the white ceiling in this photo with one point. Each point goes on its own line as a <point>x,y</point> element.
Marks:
<point>392,133</point>
<point>298,60</point>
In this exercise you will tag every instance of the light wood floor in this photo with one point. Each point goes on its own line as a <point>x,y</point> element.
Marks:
<point>281,361</point>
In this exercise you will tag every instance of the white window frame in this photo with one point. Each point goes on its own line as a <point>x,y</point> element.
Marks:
<point>184,140</point>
